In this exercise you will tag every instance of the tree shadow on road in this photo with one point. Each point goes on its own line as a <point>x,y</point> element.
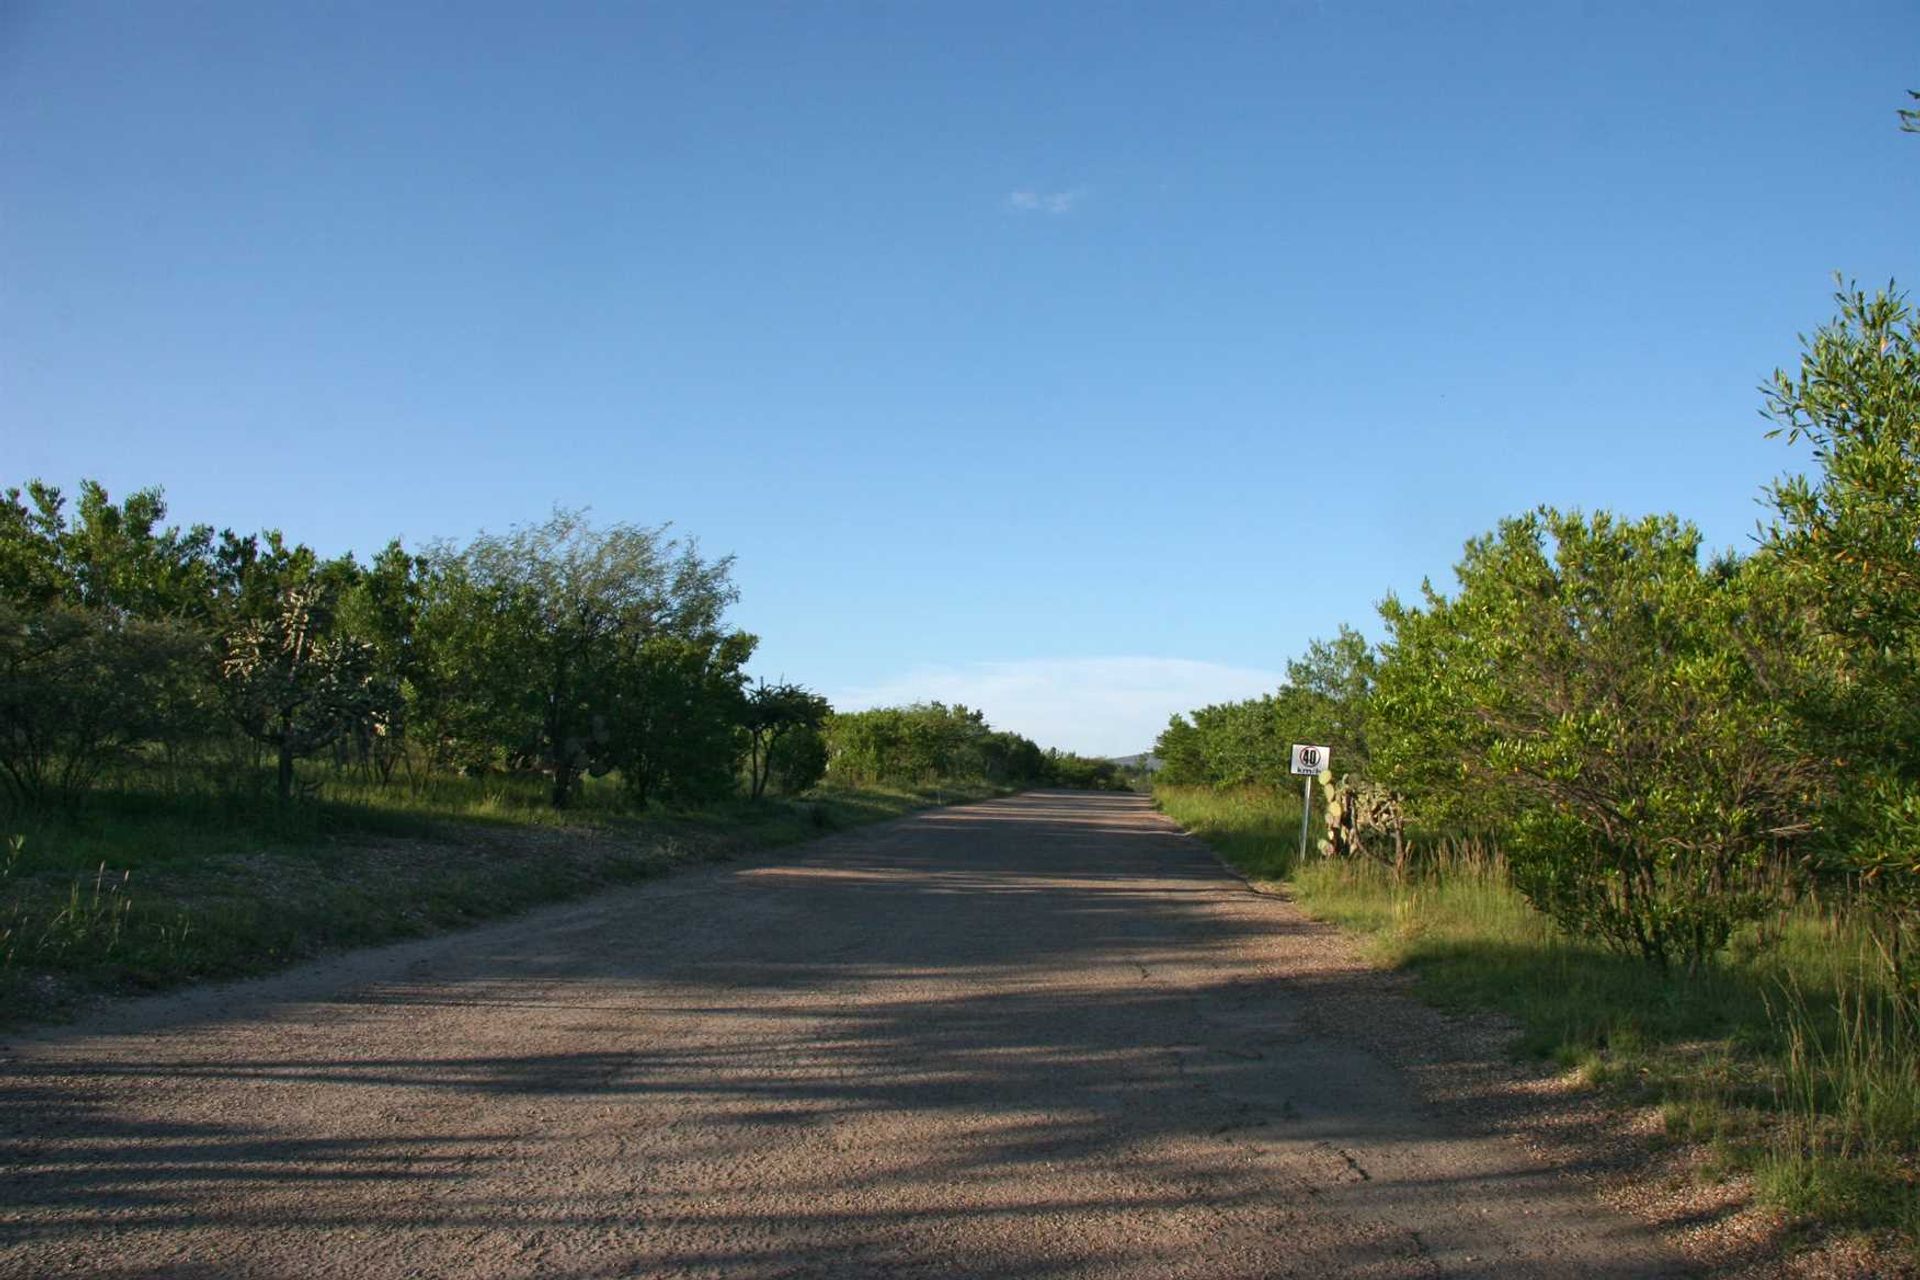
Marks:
<point>909,1047</point>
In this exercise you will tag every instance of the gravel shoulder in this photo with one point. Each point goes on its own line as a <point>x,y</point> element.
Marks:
<point>1040,1036</point>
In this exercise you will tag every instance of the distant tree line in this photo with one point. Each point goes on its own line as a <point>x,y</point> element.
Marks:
<point>930,742</point>
<point>1661,746</point>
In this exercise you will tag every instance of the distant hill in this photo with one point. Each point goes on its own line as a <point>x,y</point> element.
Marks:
<point>1141,760</point>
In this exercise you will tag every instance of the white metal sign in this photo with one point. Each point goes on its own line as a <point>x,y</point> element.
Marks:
<point>1310,760</point>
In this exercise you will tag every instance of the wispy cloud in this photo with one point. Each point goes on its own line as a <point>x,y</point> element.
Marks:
<point>1097,706</point>
<point>1051,202</point>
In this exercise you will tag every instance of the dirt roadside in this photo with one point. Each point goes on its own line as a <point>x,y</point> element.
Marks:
<point>1043,1036</point>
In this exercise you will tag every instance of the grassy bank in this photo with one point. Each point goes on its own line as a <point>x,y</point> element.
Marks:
<point>145,891</point>
<point>1790,1055</point>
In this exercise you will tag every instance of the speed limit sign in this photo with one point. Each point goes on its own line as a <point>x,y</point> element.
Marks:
<point>1310,760</point>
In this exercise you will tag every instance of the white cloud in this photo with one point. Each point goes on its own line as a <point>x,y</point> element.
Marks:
<point>1053,202</point>
<point>1096,706</point>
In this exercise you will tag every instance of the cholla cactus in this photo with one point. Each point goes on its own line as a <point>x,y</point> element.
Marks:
<point>292,686</point>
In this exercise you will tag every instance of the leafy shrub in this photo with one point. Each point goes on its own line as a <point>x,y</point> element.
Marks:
<point>1596,677</point>
<point>1849,541</point>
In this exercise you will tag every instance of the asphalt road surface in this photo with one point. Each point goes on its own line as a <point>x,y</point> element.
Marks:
<point>1043,1036</point>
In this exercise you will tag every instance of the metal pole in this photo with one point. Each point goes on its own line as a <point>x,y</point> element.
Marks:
<point>1306,807</point>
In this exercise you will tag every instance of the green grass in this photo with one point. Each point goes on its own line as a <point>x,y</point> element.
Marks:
<point>1255,829</point>
<point>144,891</point>
<point>1793,1054</point>
<point>142,826</point>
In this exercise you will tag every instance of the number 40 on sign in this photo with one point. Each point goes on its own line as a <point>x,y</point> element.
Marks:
<point>1310,761</point>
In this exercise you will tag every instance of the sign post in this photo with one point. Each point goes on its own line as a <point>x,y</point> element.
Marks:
<point>1310,761</point>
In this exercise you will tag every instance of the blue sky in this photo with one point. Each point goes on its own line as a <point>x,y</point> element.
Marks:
<point>1078,361</point>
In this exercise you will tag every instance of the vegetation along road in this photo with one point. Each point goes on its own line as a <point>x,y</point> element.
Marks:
<point>1037,1036</point>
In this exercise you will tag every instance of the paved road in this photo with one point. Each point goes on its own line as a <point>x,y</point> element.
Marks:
<point>1044,1036</point>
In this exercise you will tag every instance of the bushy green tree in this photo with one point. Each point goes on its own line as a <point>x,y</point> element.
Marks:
<point>105,651</point>
<point>32,574</point>
<point>81,689</point>
<point>114,557</point>
<point>253,573</point>
<point>384,610</point>
<point>1084,773</point>
<point>799,759</point>
<point>539,628</point>
<point>1012,760</point>
<point>1182,755</point>
<point>1228,744</point>
<point>772,712</point>
<point>1328,699</point>
<point>673,722</point>
<point>476,662</point>
<point>924,744</point>
<point>1848,537</point>
<point>1592,675</point>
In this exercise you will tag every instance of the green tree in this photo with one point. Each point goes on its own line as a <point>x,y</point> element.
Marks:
<point>1328,699</point>
<point>31,525</point>
<point>923,744</point>
<point>79,690</point>
<point>773,711</point>
<point>1182,755</point>
<point>1596,678</point>
<point>252,574</point>
<point>1849,538</point>
<point>866,746</point>
<point>1009,759</point>
<point>109,556</point>
<point>1084,773</point>
<point>383,610</point>
<point>106,648</point>
<point>799,759</point>
<point>540,629</point>
<point>673,723</point>
<point>1229,744</point>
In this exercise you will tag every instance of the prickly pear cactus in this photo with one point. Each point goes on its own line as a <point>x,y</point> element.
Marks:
<point>1357,812</point>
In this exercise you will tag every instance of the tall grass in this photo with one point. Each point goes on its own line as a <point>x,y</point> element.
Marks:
<point>1254,828</point>
<point>83,926</point>
<point>1794,1052</point>
<point>1850,1098</point>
